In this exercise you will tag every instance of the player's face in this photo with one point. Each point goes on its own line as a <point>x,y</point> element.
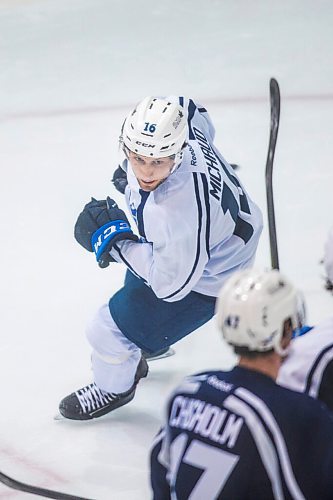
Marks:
<point>150,172</point>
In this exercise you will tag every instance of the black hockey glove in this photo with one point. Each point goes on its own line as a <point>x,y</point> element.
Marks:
<point>119,180</point>
<point>99,226</point>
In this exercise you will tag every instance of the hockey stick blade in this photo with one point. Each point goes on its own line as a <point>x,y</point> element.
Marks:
<point>35,490</point>
<point>274,92</point>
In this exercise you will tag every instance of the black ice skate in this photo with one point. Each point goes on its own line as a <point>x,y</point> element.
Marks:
<point>91,402</point>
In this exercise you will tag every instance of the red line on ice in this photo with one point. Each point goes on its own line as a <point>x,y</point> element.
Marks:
<point>86,110</point>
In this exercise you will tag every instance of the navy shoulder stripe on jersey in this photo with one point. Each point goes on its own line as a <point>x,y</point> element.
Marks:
<point>191,110</point>
<point>207,205</point>
<point>139,213</point>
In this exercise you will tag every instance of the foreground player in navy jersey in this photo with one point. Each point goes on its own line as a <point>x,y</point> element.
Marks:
<point>309,365</point>
<point>237,434</point>
<point>195,226</point>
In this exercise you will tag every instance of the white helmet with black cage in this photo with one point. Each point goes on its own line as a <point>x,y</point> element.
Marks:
<point>157,128</point>
<point>252,309</point>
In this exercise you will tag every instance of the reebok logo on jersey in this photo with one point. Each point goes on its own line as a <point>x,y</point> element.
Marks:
<point>193,157</point>
<point>218,384</point>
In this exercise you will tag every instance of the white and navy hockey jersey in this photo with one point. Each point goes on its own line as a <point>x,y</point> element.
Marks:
<point>239,435</point>
<point>198,226</point>
<point>309,365</point>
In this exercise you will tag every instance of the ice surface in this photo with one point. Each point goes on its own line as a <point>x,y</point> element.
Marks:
<point>70,72</point>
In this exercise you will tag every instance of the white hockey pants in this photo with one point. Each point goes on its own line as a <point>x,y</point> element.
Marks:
<point>114,357</point>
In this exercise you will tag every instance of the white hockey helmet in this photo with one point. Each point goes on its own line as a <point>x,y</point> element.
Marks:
<point>156,128</point>
<point>252,308</point>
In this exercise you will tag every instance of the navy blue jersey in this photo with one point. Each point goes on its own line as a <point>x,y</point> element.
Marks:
<point>238,435</point>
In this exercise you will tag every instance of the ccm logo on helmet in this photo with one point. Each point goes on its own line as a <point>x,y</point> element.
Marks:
<point>144,144</point>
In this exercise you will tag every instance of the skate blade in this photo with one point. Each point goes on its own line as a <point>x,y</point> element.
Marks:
<point>170,352</point>
<point>58,417</point>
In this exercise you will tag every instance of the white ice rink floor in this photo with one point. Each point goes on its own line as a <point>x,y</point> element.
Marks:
<point>70,72</point>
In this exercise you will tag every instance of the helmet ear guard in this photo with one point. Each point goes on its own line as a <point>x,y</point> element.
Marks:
<point>253,307</point>
<point>178,158</point>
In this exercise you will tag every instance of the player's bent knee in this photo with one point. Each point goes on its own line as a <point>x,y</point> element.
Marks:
<point>117,359</point>
<point>107,340</point>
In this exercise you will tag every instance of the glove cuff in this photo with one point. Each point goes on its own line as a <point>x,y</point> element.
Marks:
<point>103,235</point>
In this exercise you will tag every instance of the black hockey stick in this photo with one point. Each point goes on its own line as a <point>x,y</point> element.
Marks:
<point>28,488</point>
<point>274,93</point>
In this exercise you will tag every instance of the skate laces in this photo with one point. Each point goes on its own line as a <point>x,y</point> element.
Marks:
<point>93,398</point>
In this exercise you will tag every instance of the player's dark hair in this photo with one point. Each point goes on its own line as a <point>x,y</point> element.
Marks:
<point>246,353</point>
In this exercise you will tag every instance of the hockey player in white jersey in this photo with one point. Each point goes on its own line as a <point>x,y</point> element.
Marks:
<point>195,226</point>
<point>238,434</point>
<point>309,365</point>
